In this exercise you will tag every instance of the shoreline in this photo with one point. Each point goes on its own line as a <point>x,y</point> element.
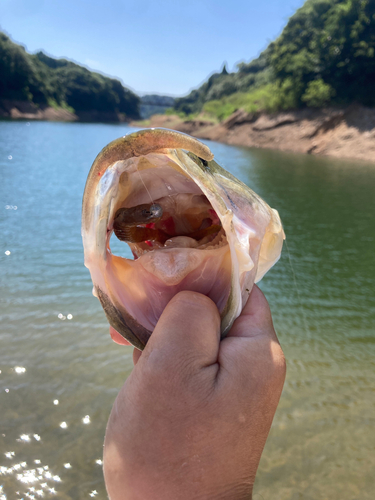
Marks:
<point>347,133</point>
<point>23,110</point>
<point>341,133</point>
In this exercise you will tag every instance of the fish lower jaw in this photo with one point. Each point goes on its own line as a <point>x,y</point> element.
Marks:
<point>143,287</point>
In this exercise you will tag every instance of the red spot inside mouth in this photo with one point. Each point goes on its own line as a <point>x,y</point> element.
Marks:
<point>214,216</point>
<point>148,243</point>
<point>99,174</point>
<point>151,225</point>
<point>169,227</point>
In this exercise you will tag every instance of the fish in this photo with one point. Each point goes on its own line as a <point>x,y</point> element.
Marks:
<point>189,223</point>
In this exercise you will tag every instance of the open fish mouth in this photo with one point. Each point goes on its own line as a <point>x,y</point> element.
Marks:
<point>189,224</point>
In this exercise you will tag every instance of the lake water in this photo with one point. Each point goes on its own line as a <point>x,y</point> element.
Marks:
<point>60,372</point>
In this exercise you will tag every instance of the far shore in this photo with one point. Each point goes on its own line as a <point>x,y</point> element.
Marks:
<point>341,133</point>
<point>23,110</point>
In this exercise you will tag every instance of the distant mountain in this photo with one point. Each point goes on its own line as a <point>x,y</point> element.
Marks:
<point>324,56</point>
<point>44,81</point>
<point>155,104</point>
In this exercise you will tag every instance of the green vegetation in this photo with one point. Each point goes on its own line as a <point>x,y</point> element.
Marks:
<point>59,83</point>
<point>221,85</point>
<point>318,94</point>
<point>324,56</point>
<point>271,98</point>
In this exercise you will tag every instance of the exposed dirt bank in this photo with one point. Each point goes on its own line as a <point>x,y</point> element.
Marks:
<point>21,110</point>
<point>343,133</point>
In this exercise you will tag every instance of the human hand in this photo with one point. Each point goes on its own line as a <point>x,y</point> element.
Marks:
<point>192,419</point>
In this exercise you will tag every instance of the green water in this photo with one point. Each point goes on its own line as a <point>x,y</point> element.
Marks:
<point>322,443</point>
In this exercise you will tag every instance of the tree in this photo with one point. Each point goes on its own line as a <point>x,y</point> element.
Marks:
<point>318,94</point>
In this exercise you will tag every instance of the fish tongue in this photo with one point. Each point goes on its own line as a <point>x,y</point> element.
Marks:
<point>172,265</point>
<point>181,242</point>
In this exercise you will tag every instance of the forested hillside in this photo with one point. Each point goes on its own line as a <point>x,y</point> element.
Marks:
<point>324,56</point>
<point>46,81</point>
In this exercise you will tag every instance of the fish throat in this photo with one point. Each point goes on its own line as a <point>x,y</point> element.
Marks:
<point>144,223</point>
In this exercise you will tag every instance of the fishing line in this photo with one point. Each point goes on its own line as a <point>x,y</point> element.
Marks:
<point>148,192</point>
<point>297,288</point>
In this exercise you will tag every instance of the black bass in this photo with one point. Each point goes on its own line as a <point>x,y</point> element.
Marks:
<point>189,223</point>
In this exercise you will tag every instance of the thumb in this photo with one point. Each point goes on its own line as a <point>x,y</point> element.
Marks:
<point>187,334</point>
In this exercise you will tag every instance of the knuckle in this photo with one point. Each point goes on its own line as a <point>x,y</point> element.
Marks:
<point>279,358</point>
<point>276,369</point>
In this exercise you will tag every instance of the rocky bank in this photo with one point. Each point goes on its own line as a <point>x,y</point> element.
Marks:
<point>342,133</point>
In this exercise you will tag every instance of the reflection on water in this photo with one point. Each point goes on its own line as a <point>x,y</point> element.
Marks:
<point>59,371</point>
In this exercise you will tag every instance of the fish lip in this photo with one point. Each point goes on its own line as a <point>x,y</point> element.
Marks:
<point>117,337</point>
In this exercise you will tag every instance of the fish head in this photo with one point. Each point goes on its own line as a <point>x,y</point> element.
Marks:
<point>212,233</point>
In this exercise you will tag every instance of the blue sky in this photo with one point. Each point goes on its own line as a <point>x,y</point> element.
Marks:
<point>156,46</point>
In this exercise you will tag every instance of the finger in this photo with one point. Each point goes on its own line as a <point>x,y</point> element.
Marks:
<point>187,333</point>
<point>257,307</point>
<point>255,318</point>
<point>117,337</point>
<point>251,352</point>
